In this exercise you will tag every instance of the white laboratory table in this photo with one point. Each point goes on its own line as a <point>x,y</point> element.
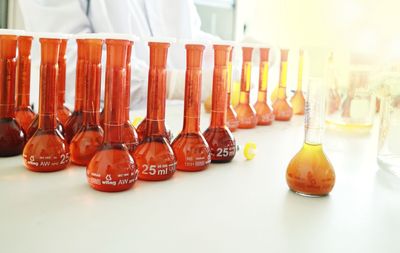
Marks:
<point>242,206</point>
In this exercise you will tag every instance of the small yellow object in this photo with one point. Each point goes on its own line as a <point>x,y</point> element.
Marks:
<point>136,121</point>
<point>235,93</point>
<point>249,150</point>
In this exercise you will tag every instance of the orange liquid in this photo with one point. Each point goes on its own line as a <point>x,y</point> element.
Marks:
<point>35,124</point>
<point>73,124</point>
<point>264,114</point>
<point>112,169</point>
<point>191,151</point>
<point>130,137</point>
<point>63,114</point>
<point>25,117</point>
<point>222,144</point>
<point>310,172</point>
<point>246,116</point>
<point>298,102</point>
<point>282,110</point>
<point>85,144</point>
<point>12,138</point>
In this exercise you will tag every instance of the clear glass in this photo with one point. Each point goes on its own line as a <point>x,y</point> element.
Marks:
<point>219,138</point>
<point>89,137</point>
<point>231,116</point>
<point>282,109</point>
<point>264,113</point>
<point>12,136</point>
<point>310,173</point>
<point>389,130</point>
<point>297,100</point>
<point>352,103</point>
<point>154,156</point>
<point>47,150</point>
<point>75,121</point>
<point>190,148</point>
<point>63,112</point>
<point>245,111</point>
<point>24,113</point>
<point>112,168</point>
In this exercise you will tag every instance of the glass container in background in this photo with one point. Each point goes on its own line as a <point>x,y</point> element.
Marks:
<point>389,130</point>
<point>352,104</point>
<point>47,150</point>
<point>231,116</point>
<point>12,136</point>
<point>63,112</point>
<point>23,112</point>
<point>298,100</point>
<point>310,173</point>
<point>112,168</point>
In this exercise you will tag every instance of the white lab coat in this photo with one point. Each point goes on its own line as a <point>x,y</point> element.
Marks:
<point>144,18</point>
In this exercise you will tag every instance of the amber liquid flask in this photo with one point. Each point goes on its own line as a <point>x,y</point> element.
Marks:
<point>190,148</point>
<point>112,168</point>
<point>75,121</point>
<point>12,136</point>
<point>24,113</point>
<point>231,116</point>
<point>245,111</point>
<point>154,156</point>
<point>47,150</point>
<point>281,108</point>
<point>309,172</point>
<point>89,137</point>
<point>298,101</point>
<point>219,138</point>
<point>263,111</point>
<point>63,112</point>
<point>130,135</point>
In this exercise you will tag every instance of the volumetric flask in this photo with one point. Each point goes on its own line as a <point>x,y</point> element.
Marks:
<point>231,116</point>
<point>298,100</point>
<point>63,112</point>
<point>12,136</point>
<point>112,168</point>
<point>47,150</point>
<point>190,148</point>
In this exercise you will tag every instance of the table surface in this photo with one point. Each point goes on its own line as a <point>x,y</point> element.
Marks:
<point>242,206</point>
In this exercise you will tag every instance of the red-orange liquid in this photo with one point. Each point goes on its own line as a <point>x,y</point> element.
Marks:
<point>63,112</point>
<point>112,168</point>
<point>219,138</point>
<point>12,136</point>
<point>141,131</point>
<point>231,116</point>
<point>282,110</point>
<point>246,113</point>
<point>190,147</point>
<point>310,172</point>
<point>298,102</point>
<point>154,156</point>
<point>24,113</point>
<point>264,114</point>
<point>47,150</point>
<point>89,137</point>
<point>33,127</point>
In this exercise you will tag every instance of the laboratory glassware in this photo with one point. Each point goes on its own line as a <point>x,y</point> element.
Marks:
<point>24,113</point>
<point>297,99</point>
<point>190,148</point>
<point>47,150</point>
<point>389,129</point>
<point>281,108</point>
<point>112,168</point>
<point>310,173</point>
<point>219,138</point>
<point>130,135</point>
<point>246,113</point>
<point>75,120</point>
<point>63,112</point>
<point>154,156</point>
<point>89,137</point>
<point>12,136</point>
<point>264,113</point>
<point>231,116</point>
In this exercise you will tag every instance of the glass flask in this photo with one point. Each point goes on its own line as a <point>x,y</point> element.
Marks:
<point>245,111</point>
<point>263,111</point>
<point>63,112</point>
<point>112,168</point>
<point>190,148</point>
<point>130,135</point>
<point>389,130</point>
<point>231,116</point>
<point>154,156</point>
<point>309,172</point>
<point>76,119</point>
<point>89,137</point>
<point>24,113</point>
<point>297,99</point>
<point>47,150</point>
<point>12,136</point>
<point>281,108</point>
<point>219,138</point>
